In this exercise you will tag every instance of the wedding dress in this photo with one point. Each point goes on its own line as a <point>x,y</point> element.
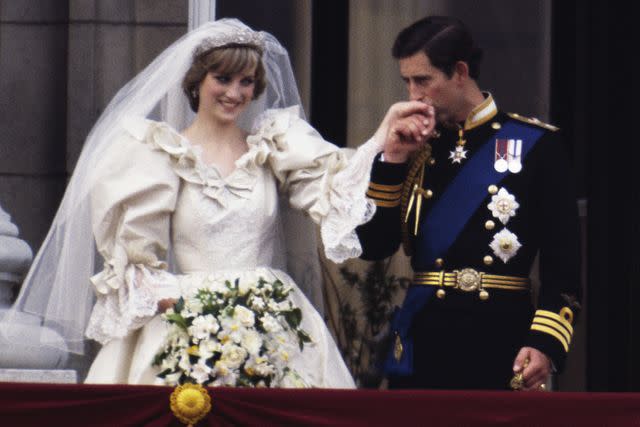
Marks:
<point>217,227</point>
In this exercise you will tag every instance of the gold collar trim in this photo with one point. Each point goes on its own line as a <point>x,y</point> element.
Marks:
<point>482,113</point>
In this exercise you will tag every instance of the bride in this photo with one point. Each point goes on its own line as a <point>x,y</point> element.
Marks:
<point>172,200</point>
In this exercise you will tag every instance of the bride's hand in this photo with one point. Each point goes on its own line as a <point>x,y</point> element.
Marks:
<point>165,304</point>
<point>405,128</point>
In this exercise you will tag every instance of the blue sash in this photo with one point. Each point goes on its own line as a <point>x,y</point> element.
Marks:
<point>444,222</point>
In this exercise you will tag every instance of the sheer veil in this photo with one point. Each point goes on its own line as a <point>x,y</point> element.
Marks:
<point>57,290</point>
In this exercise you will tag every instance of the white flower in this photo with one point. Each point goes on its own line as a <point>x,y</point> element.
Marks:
<point>270,323</point>
<point>184,363</point>
<point>244,286</point>
<point>244,316</point>
<point>177,337</point>
<point>233,356</point>
<point>200,371</point>
<point>208,348</point>
<point>257,303</point>
<point>292,380</point>
<point>202,326</point>
<point>252,341</point>
<point>505,244</point>
<point>225,375</point>
<point>264,369</point>
<point>172,379</point>
<point>503,205</point>
<point>169,362</point>
<point>193,306</point>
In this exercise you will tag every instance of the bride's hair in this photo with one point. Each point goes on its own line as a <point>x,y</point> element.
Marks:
<point>230,59</point>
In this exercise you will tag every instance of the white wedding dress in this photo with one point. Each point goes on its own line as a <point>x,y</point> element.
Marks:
<point>155,196</point>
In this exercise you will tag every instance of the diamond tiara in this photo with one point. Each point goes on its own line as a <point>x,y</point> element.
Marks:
<point>238,37</point>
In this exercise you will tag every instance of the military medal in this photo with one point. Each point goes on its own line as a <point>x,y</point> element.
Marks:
<point>500,163</point>
<point>459,153</point>
<point>515,155</point>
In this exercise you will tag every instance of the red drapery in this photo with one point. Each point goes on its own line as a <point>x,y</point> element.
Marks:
<point>119,405</point>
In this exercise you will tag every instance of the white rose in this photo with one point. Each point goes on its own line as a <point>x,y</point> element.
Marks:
<point>252,341</point>
<point>193,305</point>
<point>270,323</point>
<point>202,326</point>
<point>245,286</point>
<point>233,356</point>
<point>207,348</point>
<point>257,303</point>
<point>244,316</point>
<point>264,369</point>
<point>200,371</point>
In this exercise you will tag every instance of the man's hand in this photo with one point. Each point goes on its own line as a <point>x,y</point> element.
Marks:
<point>405,128</point>
<point>537,370</point>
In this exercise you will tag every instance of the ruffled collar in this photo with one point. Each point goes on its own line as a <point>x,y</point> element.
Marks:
<point>187,163</point>
<point>268,136</point>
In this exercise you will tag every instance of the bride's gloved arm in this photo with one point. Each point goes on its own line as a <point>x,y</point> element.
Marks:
<point>133,196</point>
<point>327,182</point>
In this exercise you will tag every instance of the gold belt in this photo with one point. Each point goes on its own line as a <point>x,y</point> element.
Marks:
<point>469,280</point>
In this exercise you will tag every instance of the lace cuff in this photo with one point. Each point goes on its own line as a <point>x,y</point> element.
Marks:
<point>349,205</point>
<point>130,302</point>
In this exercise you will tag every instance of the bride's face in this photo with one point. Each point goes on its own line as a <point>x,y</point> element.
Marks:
<point>225,96</point>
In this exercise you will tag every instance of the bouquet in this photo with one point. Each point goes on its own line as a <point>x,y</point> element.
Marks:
<point>233,333</point>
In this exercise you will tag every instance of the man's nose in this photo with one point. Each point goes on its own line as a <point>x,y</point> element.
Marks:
<point>415,94</point>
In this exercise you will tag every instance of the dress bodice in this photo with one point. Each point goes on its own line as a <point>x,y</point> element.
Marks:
<point>240,232</point>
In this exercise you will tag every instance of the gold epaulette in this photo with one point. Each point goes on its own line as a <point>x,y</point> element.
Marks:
<point>414,175</point>
<point>533,121</point>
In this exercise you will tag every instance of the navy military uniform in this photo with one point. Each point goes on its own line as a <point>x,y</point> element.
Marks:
<point>467,331</point>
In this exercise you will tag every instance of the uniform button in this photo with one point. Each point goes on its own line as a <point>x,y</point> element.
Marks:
<point>493,189</point>
<point>441,293</point>
<point>496,125</point>
<point>432,161</point>
<point>488,260</point>
<point>484,295</point>
<point>428,194</point>
<point>489,225</point>
<point>439,262</point>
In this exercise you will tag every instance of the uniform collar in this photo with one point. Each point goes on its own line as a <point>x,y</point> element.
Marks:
<point>482,113</point>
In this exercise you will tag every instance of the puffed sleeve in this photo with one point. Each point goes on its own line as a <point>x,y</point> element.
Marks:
<point>132,199</point>
<point>327,182</point>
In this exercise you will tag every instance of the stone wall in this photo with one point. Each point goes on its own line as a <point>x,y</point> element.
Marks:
<point>61,61</point>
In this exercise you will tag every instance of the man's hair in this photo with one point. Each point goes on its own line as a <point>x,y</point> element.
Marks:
<point>444,39</point>
<point>228,59</point>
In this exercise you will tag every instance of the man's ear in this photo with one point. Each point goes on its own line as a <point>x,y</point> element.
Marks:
<point>461,71</point>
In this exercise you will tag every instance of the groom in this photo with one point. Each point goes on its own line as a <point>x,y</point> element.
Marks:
<point>473,201</point>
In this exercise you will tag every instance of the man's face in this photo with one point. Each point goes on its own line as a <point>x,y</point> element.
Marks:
<point>428,84</point>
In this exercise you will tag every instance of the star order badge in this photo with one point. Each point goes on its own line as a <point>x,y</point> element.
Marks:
<point>505,245</point>
<point>503,205</point>
<point>457,155</point>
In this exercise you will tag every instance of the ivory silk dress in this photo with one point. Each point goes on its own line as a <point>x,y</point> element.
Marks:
<point>154,196</point>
